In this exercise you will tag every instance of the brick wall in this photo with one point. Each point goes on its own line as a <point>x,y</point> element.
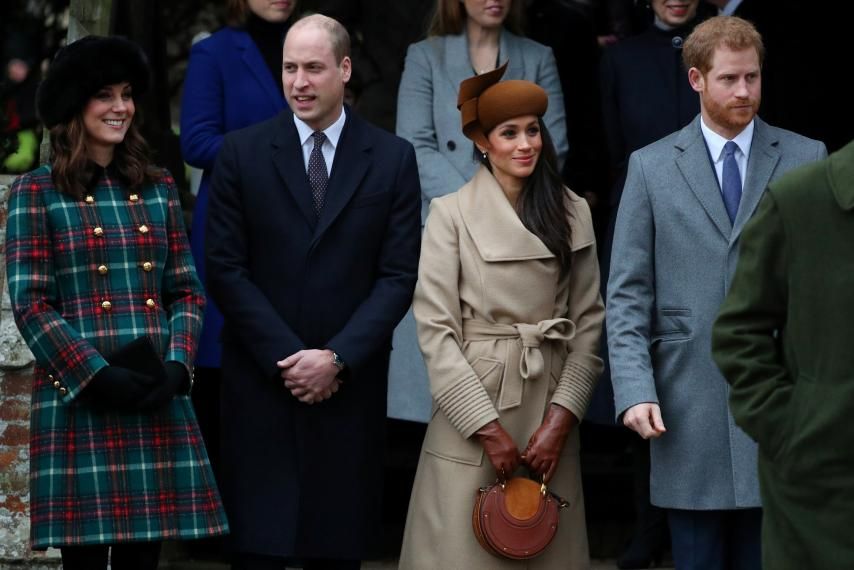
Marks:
<point>15,381</point>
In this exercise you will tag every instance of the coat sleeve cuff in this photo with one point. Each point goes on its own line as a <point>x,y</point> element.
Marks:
<point>70,381</point>
<point>467,406</point>
<point>630,392</point>
<point>575,388</point>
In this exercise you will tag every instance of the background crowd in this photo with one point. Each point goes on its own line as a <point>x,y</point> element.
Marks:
<point>615,83</point>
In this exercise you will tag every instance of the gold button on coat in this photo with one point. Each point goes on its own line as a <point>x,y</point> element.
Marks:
<point>99,231</point>
<point>106,305</point>
<point>150,303</point>
<point>90,199</point>
<point>148,266</point>
<point>102,269</point>
<point>143,229</point>
<point>63,391</point>
<point>134,197</point>
<point>56,384</point>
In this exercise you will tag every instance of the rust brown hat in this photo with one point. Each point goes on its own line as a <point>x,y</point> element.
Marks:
<point>485,102</point>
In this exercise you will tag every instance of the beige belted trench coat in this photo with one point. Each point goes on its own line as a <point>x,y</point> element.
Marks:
<point>503,337</point>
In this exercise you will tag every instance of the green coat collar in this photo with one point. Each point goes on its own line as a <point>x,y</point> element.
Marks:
<point>840,174</point>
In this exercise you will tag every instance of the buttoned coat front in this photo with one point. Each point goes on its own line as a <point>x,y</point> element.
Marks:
<point>87,276</point>
<point>503,337</point>
<point>673,258</point>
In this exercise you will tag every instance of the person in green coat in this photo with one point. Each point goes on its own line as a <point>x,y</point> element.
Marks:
<point>783,340</point>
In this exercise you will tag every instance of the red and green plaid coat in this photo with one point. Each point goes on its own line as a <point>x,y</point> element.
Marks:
<point>86,277</point>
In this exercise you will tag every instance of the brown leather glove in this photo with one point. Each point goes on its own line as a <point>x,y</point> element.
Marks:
<point>500,448</point>
<point>544,448</point>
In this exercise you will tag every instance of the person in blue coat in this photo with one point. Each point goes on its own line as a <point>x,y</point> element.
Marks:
<point>233,80</point>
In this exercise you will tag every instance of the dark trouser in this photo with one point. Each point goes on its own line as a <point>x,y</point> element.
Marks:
<point>254,562</point>
<point>716,540</point>
<point>127,556</point>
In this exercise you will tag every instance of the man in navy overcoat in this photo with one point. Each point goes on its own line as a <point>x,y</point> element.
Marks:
<point>312,251</point>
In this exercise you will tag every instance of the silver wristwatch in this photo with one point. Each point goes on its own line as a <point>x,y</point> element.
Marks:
<point>337,361</point>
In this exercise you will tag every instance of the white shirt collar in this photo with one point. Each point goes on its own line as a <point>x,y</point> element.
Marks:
<point>332,132</point>
<point>716,142</point>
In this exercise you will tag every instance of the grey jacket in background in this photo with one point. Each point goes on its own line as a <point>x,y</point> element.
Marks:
<point>427,114</point>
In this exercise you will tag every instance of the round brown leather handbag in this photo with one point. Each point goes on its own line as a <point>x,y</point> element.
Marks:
<point>517,518</point>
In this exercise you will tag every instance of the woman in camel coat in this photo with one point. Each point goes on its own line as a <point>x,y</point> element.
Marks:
<point>509,327</point>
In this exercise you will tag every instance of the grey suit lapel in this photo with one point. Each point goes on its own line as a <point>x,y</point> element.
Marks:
<point>697,170</point>
<point>763,159</point>
<point>508,47</point>
<point>457,62</point>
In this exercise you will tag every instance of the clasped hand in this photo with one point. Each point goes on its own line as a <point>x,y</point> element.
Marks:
<point>310,375</point>
<point>542,453</point>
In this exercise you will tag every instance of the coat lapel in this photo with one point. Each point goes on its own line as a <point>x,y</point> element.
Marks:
<point>697,170</point>
<point>287,156</point>
<point>458,64</point>
<point>495,228</point>
<point>763,159</point>
<point>457,61</point>
<point>349,166</point>
<point>255,62</point>
<point>510,50</point>
<point>840,172</point>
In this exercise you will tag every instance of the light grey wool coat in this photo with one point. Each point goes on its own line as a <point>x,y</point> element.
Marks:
<point>674,255</point>
<point>503,337</point>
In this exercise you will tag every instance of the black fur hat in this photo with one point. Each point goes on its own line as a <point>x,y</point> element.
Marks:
<point>83,67</point>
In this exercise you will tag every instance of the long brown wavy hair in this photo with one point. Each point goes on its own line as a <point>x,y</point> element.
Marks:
<point>542,205</point>
<point>72,170</point>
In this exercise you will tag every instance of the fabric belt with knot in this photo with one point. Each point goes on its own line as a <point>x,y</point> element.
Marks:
<point>531,363</point>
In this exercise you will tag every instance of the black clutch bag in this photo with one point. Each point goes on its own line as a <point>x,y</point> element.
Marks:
<point>138,355</point>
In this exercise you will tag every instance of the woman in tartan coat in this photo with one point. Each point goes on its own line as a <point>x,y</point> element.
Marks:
<point>104,291</point>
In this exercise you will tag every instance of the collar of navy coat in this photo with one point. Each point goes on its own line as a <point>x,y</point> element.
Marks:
<point>693,162</point>
<point>353,152</point>
<point>495,227</point>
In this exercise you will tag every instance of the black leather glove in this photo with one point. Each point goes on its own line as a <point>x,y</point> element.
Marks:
<point>117,389</point>
<point>176,380</point>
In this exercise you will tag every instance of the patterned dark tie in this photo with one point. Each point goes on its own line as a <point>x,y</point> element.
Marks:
<point>318,176</point>
<point>731,181</point>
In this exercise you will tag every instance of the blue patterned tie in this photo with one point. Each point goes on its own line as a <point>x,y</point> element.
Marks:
<point>731,181</point>
<point>318,176</point>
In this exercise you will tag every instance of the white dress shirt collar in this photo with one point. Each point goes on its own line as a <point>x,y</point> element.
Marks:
<point>333,135</point>
<point>716,142</point>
